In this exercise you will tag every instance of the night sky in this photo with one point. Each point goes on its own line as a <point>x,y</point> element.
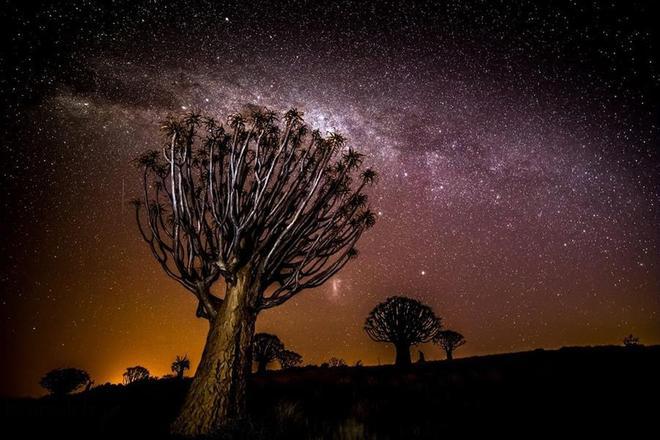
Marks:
<point>517,145</point>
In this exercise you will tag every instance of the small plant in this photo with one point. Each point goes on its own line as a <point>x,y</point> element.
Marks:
<point>334,362</point>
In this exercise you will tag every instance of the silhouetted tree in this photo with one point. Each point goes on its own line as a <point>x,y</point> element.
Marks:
<point>289,359</point>
<point>449,340</point>
<point>403,322</point>
<point>631,341</point>
<point>270,208</point>
<point>180,365</point>
<point>63,381</point>
<point>135,374</point>
<point>265,349</point>
<point>420,357</point>
<point>334,362</point>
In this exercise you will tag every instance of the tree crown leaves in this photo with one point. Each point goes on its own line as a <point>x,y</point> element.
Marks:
<point>449,339</point>
<point>135,374</point>
<point>289,359</point>
<point>402,320</point>
<point>259,193</point>
<point>181,364</point>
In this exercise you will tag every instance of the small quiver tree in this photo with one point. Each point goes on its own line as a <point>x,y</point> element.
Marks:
<point>631,341</point>
<point>135,374</point>
<point>62,381</point>
<point>449,340</point>
<point>334,362</point>
<point>403,322</point>
<point>289,359</point>
<point>265,349</point>
<point>180,365</point>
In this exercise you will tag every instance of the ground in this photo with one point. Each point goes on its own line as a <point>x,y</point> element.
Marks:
<point>586,390</point>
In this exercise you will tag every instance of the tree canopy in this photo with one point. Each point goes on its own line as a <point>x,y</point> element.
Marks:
<point>449,340</point>
<point>135,374</point>
<point>265,349</point>
<point>403,322</point>
<point>288,202</point>
<point>64,380</point>
<point>180,365</point>
<point>289,359</point>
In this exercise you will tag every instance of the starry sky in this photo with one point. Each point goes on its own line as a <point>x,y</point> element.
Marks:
<point>517,145</point>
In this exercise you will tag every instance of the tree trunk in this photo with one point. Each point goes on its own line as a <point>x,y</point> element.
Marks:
<point>261,366</point>
<point>402,355</point>
<point>450,355</point>
<point>216,397</point>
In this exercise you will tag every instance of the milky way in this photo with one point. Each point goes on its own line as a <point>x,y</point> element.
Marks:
<point>517,148</point>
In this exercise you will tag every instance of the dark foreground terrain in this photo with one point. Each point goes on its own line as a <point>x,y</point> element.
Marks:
<point>599,390</point>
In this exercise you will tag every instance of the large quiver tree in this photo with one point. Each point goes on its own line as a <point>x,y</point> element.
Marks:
<point>268,208</point>
<point>403,322</point>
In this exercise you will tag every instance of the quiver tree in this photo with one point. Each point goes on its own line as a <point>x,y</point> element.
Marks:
<point>334,362</point>
<point>180,365</point>
<point>268,208</point>
<point>403,322</point>
<point>265,349</point>
<point>135,374</point>
<point>289,359</point>
<point>631,341</point>
<point>449,340</point>
<point>63,381</point>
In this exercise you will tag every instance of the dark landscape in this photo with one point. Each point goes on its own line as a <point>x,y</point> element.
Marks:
<point>573,390</point>
<point>342,220</point>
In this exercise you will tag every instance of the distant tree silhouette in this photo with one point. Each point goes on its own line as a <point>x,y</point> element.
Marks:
<point>358,363</point>
<point>272,208</point>
<point>334,362</point>
<point>403,322</point>
<point>135,374</point>
<point>265,349</point>
<point>420,357</point>
<point>180,365</point>
<point>63,381</point>
<point>631,341</point>
<point>289,359</point>
<point>449,340</point>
